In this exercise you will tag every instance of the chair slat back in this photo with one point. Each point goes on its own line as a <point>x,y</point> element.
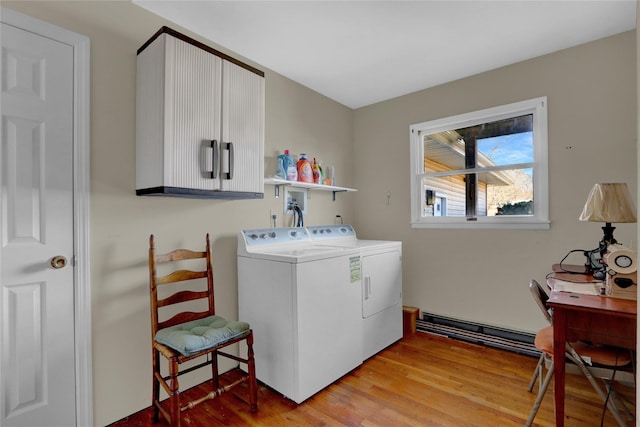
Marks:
<point>541,298</point>
<point>181,275</point>
<point>182,317</point>
<point>179,279</point>
<point>179,255</point>
<point>182,296</point>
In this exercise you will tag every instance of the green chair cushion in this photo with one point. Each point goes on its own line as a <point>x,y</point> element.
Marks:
<point>193,337</point>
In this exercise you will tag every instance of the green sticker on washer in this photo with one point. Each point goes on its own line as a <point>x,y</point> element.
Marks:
<point>355,267</point>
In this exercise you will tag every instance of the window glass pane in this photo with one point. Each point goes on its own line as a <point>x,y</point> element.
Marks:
<point>480,169</point>
<point>449,192</point>
<point>498,143</point>
<point>510,192</point>
<point>507,149</point>
<point>503,192</point>
<point>443,151</point>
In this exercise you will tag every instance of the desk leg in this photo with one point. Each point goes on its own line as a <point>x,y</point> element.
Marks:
<point>559,344</point>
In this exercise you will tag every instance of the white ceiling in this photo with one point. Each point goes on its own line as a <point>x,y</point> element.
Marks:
<point>362,52</point>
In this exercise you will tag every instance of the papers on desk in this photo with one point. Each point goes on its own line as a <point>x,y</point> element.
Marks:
<point>587,288</point>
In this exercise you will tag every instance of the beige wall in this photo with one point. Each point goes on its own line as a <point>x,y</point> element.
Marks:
<point>296,118</point>
<point>482,275</point>
<point>474,275</point>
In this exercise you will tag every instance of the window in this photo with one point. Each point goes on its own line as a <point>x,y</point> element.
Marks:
<point>485,169</point>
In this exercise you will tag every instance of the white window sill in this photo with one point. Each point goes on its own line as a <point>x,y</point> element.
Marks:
<point>483,225</point>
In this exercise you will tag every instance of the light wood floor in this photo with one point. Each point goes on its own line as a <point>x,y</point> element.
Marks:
<point>422,380</point>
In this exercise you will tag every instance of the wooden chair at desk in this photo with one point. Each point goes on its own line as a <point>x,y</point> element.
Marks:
<point>605,360</point>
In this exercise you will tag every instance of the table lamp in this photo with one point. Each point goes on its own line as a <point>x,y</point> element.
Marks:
<point>609,203</point>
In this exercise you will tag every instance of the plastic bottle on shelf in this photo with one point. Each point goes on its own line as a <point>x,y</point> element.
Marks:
<point>281,172</point>
<point>331,173</point>
<point>305,173</point>
<point>317,172</point>
<point>290,167</point>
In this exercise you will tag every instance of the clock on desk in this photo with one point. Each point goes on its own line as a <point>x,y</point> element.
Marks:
<point>621,272</point>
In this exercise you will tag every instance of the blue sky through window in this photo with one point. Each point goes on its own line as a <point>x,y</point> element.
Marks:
<point>508,149</point>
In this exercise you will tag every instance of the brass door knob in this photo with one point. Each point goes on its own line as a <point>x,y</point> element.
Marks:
<point>58,261</point>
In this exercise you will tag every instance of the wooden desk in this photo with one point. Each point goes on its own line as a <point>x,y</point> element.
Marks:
<point>598,319</point>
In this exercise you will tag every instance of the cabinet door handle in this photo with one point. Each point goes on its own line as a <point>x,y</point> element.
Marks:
<point>214,159</point>
<point>229,147</point>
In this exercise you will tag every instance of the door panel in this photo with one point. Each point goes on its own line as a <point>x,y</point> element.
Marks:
<point>243,126</point>
<point>382,282</point>
<point>194,82</point>
<point>328,322</point>
<point>37,367</point>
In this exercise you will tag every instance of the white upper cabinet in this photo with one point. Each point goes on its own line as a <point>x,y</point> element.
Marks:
<point>200,121</point>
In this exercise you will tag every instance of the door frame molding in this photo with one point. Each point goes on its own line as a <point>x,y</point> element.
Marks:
<point>81,192</point>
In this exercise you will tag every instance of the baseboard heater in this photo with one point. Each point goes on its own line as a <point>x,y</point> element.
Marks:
<point>518,342</point>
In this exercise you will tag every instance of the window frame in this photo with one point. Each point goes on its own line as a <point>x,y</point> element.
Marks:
<point>539,220</point>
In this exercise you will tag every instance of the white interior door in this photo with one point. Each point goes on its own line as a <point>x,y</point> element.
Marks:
<point>37,369</point>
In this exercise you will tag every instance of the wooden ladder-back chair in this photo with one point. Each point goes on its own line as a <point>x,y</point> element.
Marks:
<point>607,363</point>
<point>186,335</point>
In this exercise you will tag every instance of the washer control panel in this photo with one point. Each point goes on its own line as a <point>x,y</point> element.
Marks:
<point>319,232</point>
<point>273,236</point>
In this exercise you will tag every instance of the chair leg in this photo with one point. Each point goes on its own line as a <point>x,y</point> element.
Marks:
<point>587,373</point>
<point>155,387</point>
<point>537,373</point>
<point>251,366</point>
<point>174,395</point>
<point>541,391</point>
<point>613,395</point>
<point>215,375</point>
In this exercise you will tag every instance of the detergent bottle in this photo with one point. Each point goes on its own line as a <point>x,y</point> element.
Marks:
<point>291,171</point>
<point>281,172</point>
<point>317,172</point>
<point>305,173</point>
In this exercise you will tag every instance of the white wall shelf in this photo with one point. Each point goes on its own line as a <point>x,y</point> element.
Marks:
<point>277,183</point>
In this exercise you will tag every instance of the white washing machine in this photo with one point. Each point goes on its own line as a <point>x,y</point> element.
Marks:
<point>381,283</point>
<point>303,306</point>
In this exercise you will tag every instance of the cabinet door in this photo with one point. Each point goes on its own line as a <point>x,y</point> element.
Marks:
<point>242,148</point>
<point>192,102</point>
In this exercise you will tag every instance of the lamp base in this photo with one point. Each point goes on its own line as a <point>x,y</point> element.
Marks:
<point>608,238</point>
<point>594,265</point>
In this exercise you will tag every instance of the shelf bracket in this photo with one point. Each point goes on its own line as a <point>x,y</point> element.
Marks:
<point>337,191</point>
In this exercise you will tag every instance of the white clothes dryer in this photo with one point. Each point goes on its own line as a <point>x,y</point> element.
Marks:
<point>381,283</point>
